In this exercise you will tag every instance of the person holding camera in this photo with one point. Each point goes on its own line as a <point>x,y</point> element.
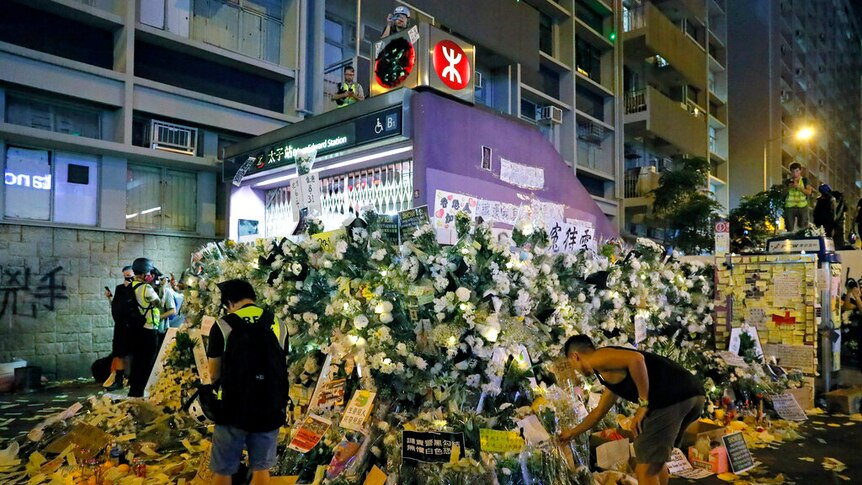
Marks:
<point>349,91</point>
<point>796,203</point>
<point>396,21</point>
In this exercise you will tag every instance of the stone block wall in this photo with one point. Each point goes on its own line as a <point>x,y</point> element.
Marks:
<point>53,311</point>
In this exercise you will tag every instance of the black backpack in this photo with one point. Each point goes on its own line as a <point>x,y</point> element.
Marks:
<point>125,308</point>
<point>253,376</point>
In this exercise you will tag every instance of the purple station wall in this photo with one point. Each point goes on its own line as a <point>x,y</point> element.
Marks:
<point>447,147</point>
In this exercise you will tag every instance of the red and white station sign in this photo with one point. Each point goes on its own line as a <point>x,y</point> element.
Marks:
<point>452,65</point>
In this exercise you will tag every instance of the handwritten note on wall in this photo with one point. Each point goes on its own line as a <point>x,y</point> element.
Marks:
<point>522,175</point>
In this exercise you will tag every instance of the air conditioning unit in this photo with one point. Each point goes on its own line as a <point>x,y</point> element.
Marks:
<point>478,80</point>
<point>171,137</point>
<point>551,114</point>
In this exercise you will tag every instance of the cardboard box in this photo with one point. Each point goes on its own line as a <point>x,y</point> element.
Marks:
<point>845,401</point>
<point>804,396</point>
<point>699,429</point>
<point>717,462</point>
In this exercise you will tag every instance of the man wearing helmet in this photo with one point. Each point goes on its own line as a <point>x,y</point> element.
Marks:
<point>396,21</point>
<point>144,338</point>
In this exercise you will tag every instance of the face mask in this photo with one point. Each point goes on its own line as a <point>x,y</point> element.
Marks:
<point>129,278</point>
<point>149,278</point>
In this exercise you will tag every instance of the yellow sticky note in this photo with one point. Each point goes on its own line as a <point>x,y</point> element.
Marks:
<point>375,477</point>
<point>289,480</point>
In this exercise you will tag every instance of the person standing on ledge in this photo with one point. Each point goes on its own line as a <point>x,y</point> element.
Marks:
<point>349,91</point>
<point>796,203</point>
<point>396,21</point>
<point>669,399</point>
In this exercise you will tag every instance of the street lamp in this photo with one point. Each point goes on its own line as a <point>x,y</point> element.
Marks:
<point>803,134</point>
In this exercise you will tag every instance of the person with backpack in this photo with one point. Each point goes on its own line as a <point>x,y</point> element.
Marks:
<point>247,354</point>
<point>120,344</point>
<point>142,315</point>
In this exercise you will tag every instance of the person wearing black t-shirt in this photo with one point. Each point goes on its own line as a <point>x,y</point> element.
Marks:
<point>669,398</point>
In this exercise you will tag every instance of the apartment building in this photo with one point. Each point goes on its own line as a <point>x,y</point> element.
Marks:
<point>795,64</point>
<point>675,98</point>
<point>549,63</point>
<point>113,114</point>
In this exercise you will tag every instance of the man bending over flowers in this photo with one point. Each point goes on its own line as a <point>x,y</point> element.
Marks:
<point>669,399</point>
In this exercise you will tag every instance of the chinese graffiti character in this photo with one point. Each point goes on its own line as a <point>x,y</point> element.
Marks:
<point>15,287</point>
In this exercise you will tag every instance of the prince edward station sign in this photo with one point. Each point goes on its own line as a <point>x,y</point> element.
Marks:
<point>363,130</point>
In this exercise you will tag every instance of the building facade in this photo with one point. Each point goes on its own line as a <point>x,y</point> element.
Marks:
<point>812,57</point>
<point>551,63</point>
<point>112,117</point>
<point>675,99</point>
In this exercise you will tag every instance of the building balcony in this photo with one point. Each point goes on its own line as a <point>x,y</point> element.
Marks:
<point>649,113</point>
<point>649,33</point>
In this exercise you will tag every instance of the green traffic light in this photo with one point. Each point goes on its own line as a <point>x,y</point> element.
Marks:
<point>612,36</point>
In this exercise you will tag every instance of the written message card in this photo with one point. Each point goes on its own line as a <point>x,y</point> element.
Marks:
<point>310,433</point>
<point>496,441</point>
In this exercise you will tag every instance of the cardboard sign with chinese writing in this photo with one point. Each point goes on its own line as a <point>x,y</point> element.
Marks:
<point>737,452</point>
<point>358,410</point>
<point>328,239</point>
<point>305,194</point>
<point>571,237</point>
<point>787,407</point>
<point>496,441</point>
<point>430,447</point>
<point>331,394</point>
<point>310,433</point>
<point>412,219</point>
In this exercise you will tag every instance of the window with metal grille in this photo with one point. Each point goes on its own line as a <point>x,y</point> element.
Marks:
<point>173,138</point>
<point>161,199</point>
<point>387,188</point>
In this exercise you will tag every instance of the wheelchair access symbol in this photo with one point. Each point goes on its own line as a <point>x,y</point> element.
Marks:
<point>378,127</point>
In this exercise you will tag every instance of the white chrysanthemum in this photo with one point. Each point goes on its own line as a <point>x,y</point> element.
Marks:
<point>463,294</point>
<point>360,322</point>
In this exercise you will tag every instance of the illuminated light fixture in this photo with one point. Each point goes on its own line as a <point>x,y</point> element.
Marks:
<point>612,36</point>
<point>148,211</point>
<point>805,133</point>
<point>284,178</point>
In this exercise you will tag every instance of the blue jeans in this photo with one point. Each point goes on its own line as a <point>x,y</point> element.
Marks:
<point>228,443</point>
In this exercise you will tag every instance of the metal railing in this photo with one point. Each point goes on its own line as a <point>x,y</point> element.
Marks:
<point>635,101</point>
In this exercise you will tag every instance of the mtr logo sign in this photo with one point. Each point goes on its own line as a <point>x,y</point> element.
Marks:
<point>451,65</point>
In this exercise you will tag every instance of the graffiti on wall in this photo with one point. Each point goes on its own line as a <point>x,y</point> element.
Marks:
<point>23,293</point>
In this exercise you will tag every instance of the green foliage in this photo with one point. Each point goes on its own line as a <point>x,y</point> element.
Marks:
<point>757,214</point>
<point>182,356</point>
<point>688,210</point>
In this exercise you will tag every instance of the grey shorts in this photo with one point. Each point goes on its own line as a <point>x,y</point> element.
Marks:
<point>228,443</point>
<point>663,429</point>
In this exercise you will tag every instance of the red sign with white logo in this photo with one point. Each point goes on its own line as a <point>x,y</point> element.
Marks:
<point>452,65</point>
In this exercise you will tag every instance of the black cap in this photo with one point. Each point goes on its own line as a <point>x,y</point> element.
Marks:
<point>236,290</point>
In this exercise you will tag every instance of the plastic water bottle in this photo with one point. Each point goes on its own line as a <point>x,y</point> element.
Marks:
<point>115,453</point>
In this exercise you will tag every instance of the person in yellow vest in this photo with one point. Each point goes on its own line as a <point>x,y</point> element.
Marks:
<point>144,338</point>
<point>349,91</point>
<point>796,203</point>
<point>247,361</point>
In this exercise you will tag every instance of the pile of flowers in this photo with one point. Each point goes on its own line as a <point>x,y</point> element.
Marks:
<point>462,337</point>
